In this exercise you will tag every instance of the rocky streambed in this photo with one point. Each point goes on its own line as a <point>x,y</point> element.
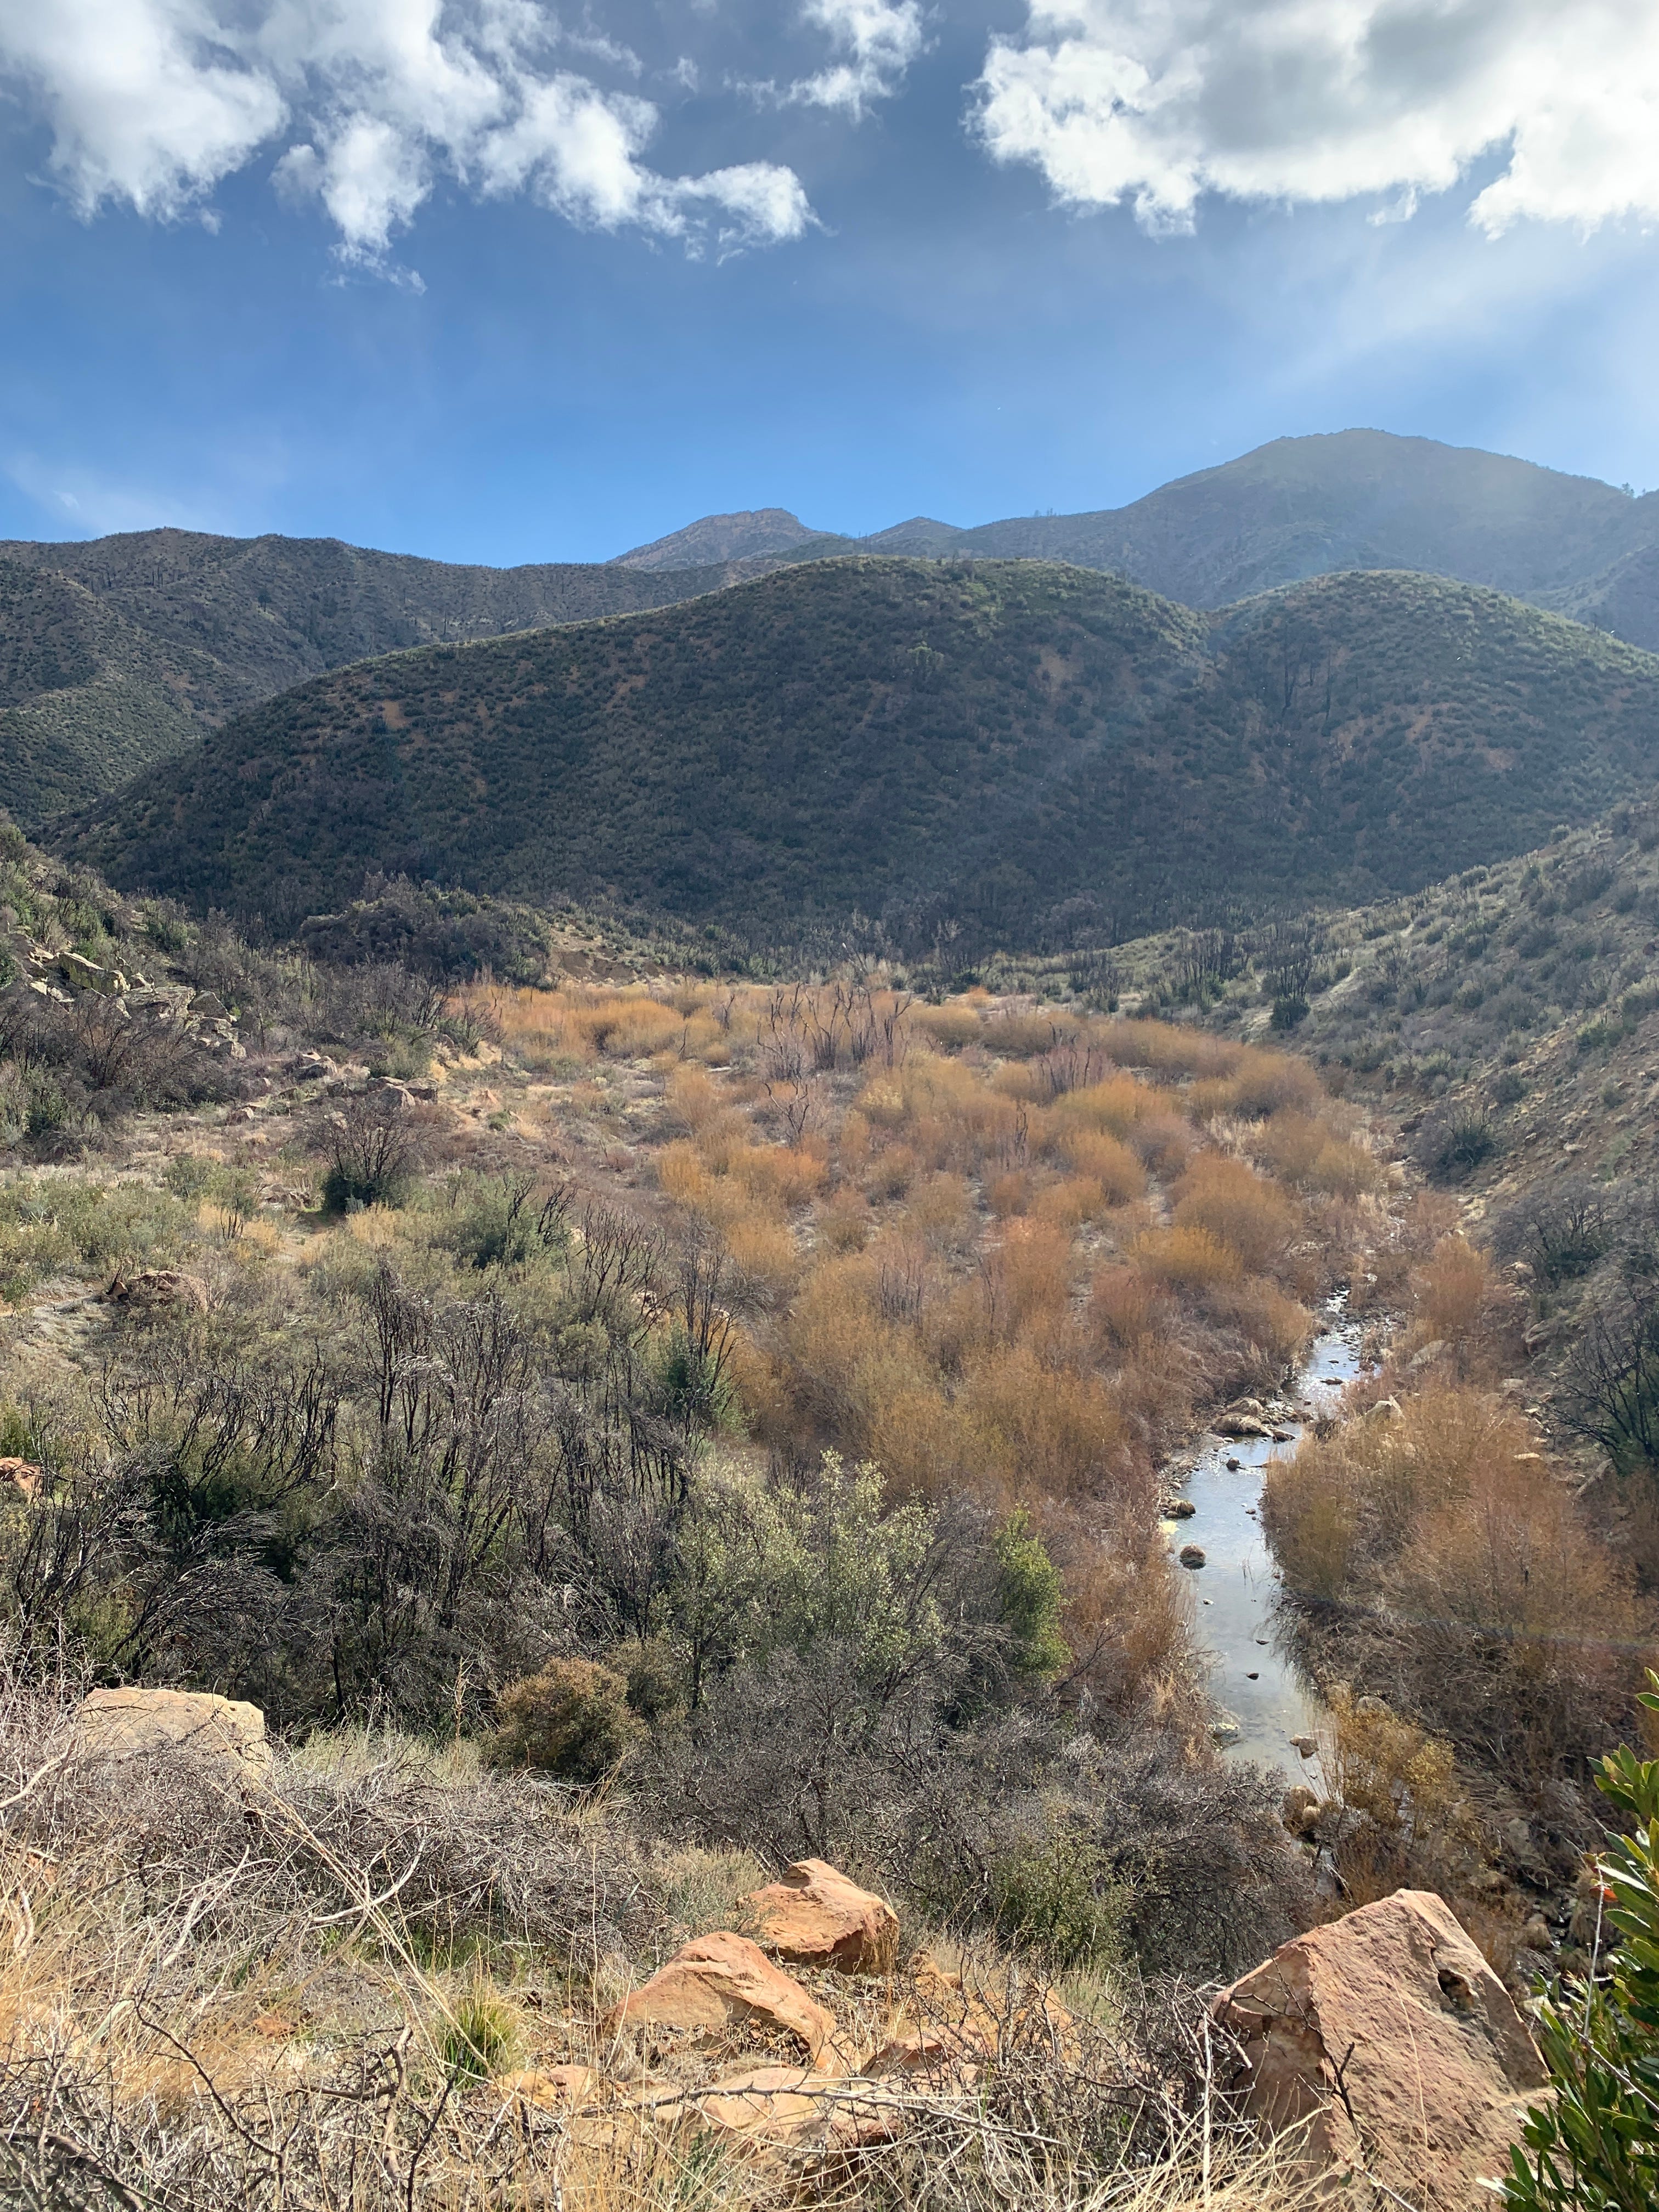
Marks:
<point>1264,1703</point>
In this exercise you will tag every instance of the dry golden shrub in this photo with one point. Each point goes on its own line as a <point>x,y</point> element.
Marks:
<point>779,1176</point>
<point>916,1439</point>
<point>1311,1517</point>
<point>1510,1573</point>
<point>950,1026</point>
<point>1128,1620</point>
<point>1103,1158</point>
<point>1301,1149</point>
<point>1170,1050</point>
<point>1188,1259</point>
<point>1127,1307</point>
<point>1041,1432</point>
<point>682,1176</point>
<point>1027,1279</point>
<point>941,1212</point>
<point>891,1172</point>
<point>1271,1329</point>
<point>693,1098</point>
<point>846,1224</point>
<point>765,1255</point>
<point>1069,1204</point>
<point>1165,1141</point>
<point>1253,1217</point>
<point>1461,1304</point>
<point>1013,1033</point>
<point>1009,1195</point>
<point>1112,1105</point>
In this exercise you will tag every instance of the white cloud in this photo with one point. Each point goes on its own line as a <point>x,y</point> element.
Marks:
<point>1157,103</point>
<point>874,41</point>
<point>366,103</point>
<point>148,101</point>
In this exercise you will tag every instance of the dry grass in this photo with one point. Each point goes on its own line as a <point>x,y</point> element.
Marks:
<point>319,1999</point>
<point>1001,1247</point>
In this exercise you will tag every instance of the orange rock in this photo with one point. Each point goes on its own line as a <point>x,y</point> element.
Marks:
<point>815,1917</point>
<point>1388,2039</point>
<point>226,1734</point>
<point>724,1981</point>
<point>549,2087</point>
<point>22,1475</point>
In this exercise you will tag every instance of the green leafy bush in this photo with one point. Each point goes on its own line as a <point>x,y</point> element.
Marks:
<point>1594,2147</point>
<point>572,1720</point>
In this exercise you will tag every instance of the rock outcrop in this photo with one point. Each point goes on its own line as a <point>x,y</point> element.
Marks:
<point>717,1983</point>
<point>1390,2048</point>
<point>815,1917</point>
<point>225,1735</point>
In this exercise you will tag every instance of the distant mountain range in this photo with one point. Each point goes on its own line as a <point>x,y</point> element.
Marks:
<point>119,652</point>
<point>1017,751</point>
<point>1297,508</point>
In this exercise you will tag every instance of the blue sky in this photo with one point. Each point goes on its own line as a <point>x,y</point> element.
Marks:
<point>489,281</point>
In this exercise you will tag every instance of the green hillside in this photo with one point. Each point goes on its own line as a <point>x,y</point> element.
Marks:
<point>1026,753</point>
<point>124,650</point>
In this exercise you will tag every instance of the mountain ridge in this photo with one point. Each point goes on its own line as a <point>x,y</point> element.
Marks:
<point>1001,749</point>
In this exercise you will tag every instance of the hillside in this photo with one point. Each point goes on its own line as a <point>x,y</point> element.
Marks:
<point>195,627</point>
<point>123,650</point>
<point>1015,752</point>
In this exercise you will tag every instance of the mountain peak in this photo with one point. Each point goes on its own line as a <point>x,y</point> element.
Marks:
<point>720,538</point>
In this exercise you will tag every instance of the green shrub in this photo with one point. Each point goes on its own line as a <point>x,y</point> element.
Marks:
<point>572,1720</point>
<point>1594,2147</point>
<point>1029,1592</point>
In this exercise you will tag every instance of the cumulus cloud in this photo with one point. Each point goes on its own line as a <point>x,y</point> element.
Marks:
<point>366,104</point>
<point>1156,102</point>
<point>874,42</point>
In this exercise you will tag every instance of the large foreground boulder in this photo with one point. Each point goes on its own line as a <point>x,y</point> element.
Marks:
<point>721,1982</point>
<point>1391,2048</point>
<point>225,1735</point>
<point>815,1917</point>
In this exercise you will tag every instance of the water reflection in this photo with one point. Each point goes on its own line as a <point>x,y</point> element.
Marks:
<point>1256,1685</point>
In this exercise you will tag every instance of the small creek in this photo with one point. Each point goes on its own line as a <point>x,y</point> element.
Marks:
<point>1255,1683</point>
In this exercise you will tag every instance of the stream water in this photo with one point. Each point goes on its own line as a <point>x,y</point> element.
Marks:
<point>1256,1685</point>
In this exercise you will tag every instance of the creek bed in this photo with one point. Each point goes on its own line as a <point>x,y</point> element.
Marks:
<point>1236,1593</point>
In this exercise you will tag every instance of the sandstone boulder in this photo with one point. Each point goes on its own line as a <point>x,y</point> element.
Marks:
<point>815,1917</point>
<point>549,2088</point>
<point>716,1982</point>
<point>227,1735</point>
<point>1387,2042</point>
<point>21,1476</point>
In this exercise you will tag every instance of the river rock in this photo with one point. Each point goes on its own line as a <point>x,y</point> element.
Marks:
<point>720,1981</point>
<point>1387,2042</point>
<point>1239,1425</point>
<point>1304,1745</point>
<point>1385,1409</point>
<point>225,1735</point>
<point>1179,1508</point>
<point>815,1917</point>
<point>1192,1555</point>
<point>1301,1809</point>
